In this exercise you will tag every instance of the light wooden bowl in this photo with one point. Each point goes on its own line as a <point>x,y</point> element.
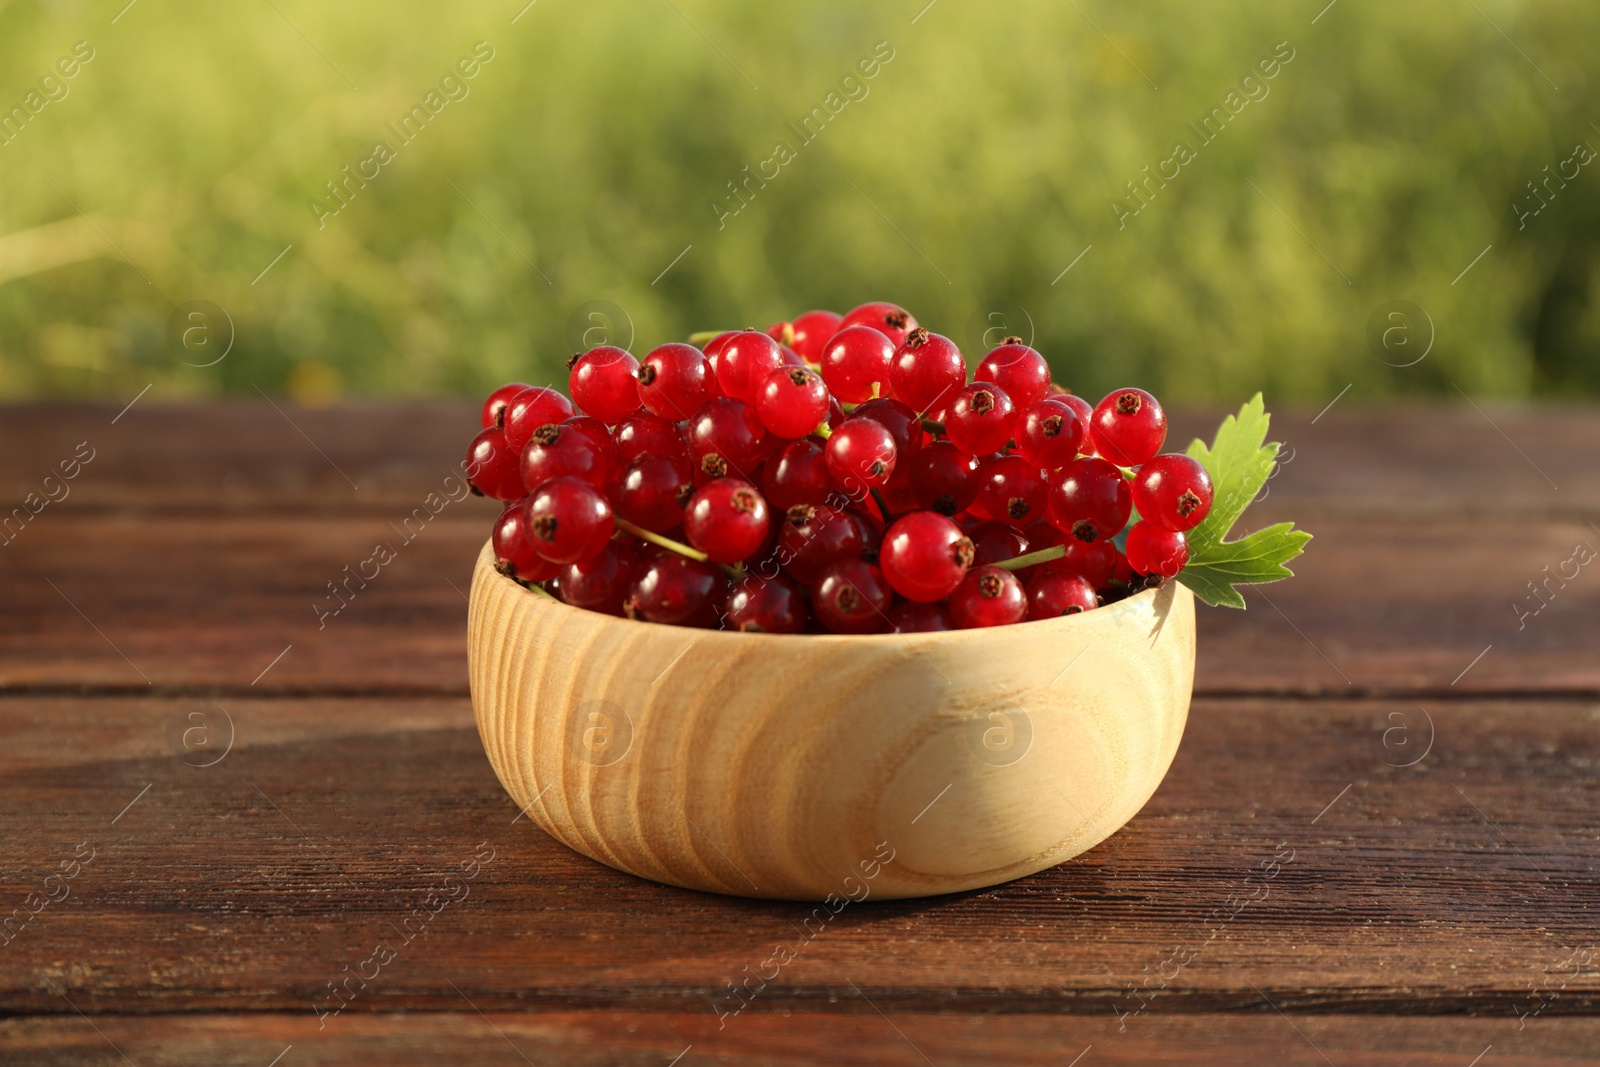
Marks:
<point>791,767</point>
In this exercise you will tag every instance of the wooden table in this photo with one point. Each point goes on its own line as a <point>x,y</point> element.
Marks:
<point>248,802</point>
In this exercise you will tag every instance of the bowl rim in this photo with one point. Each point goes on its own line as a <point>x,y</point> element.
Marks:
<point>1063,623</point>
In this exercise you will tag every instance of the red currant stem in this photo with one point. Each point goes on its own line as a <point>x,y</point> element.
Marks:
<point>537,588</point>
<point>703,336</point>
<point>664,542</point>
<point>883,505</point>
<point>933,427</point>
<point>1044,555</point>
<point>823,431</point>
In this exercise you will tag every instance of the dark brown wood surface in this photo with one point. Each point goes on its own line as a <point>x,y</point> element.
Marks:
<point>1422,767</point>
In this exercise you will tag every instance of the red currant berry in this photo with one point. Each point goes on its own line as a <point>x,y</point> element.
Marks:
<point>980,418</point>
<point>744,364</point>
<point>1019,370</point>
<point>927,370</point>
<point>793,401</point>
<point>797,474</point>
<point>995,542</point>
<point>1093,561</point>
<point>492,466</point>
<point>1152,550</point>
<point>513,552</point>
<point>988,596</point>
<point>600,584</point>
<point>912,618</point>
<point>653,492</point>
<point>604,382</point>
<point>943,478</point>
<point>675,381</point>
<point>727,520</point>
<point>1121,572</point>
<point>563,451</point>
<point>727,437</point>
<point>812,331</point>
<point>791,358</point>
<point>891,320</point>
<point>1050,434</point>
<point>531,409</point>
<point>643,432</point>
<point>925,556</point>
<point>676,590</point>
<point>766,606</point>
<point>568,520</point>
<point>1173,491</point>
<point>854,359</point>
<point>901,422</point>
<point>851,597</point>
<point>1011,490</point>
<point>495,406</point>
<point>593,428</point>
<point>1085,412</point>
<point>1128,427</point>
<point>813,536</point>
<point>860,456</point>
<point>714,347</point>
<point>1090,499</point>
<point>1053,595</point>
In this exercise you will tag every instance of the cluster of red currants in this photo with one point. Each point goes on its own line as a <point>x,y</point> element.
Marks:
<point>833,473</point>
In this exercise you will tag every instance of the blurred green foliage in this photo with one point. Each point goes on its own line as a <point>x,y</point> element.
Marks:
<point>984,157</point>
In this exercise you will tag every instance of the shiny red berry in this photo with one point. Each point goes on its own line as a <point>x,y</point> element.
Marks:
<point>568,520</point>
<point>797,474</point>
<point>860,455</point>
<point>1152,550</point>
<point>494,407</point>
<point>891,320</point>
<point>1085,412</point>
<point>913,618</point>
<point>903,424</point>
<point>744,364</point>
<point>995,542</point>
<point>558,451</point>
<point>492,466</point>
<point>980,418</point>
<point>1173,491</point>
<point>676,590</point>
<point>988,596</point>
<point>643,432</point>
<point>943,478</point>
<point>924,556</point>
<point>1019,370</point>
<point>1093,561</point>
<point>853,360</point>
<point>513,552</point>
<point>675,381</point>
<point>926,370</point>
<point>653,491</point>
<point>530,409</point>
<point>604,383</point>
<point>1010,490</point>
<point>1053,595</point>
<point>812,331</point>
<point>852,597</point>
<point>1050,433</point>
<point>1090,499</point>
<point>727,520</point>
<point>1128,427</point>
<point>766,606</point>
<point>601,583</point>
<point>727,439</point>
<point>813,536</point>
<point>793,402</point>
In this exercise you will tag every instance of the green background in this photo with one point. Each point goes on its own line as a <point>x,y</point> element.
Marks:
<point>984,158</point>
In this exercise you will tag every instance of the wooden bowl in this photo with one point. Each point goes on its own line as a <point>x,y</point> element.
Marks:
<point>794,767</point>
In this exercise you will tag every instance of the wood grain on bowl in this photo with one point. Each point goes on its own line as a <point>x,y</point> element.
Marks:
<point>795,767</point>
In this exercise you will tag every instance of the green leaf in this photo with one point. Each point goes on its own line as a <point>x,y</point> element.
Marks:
<point>1240,460</point>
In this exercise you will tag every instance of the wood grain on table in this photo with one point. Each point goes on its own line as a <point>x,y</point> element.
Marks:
<point>1419,755</point>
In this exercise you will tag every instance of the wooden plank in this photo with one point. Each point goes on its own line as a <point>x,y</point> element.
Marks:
<point>1456,884</point>
<point>237,456</point>
<point>1380,604</point>
<point>859,1038</point>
